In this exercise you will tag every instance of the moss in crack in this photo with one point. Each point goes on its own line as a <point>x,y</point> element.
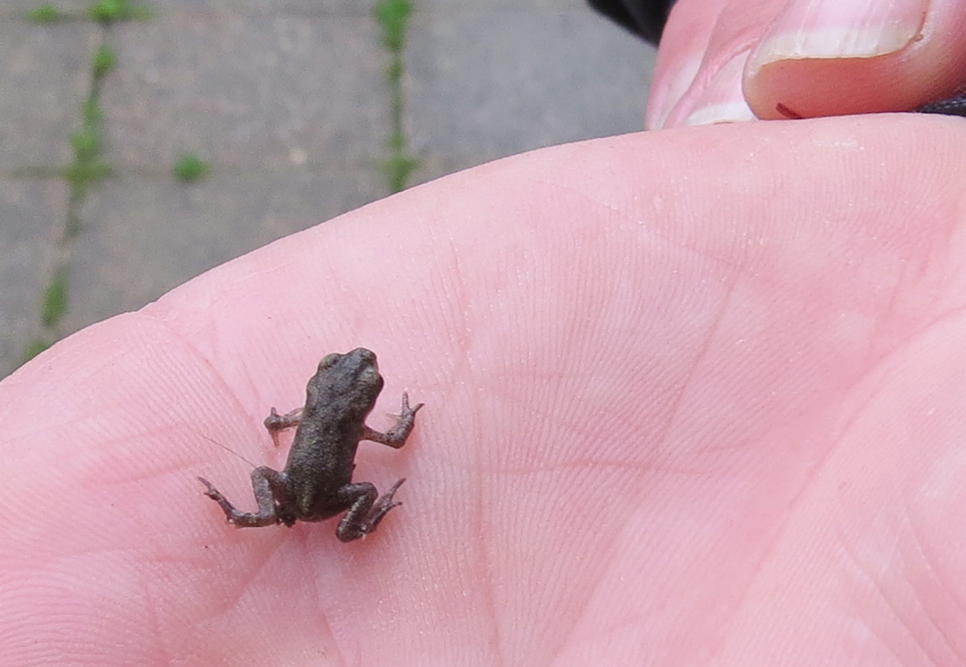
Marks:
<point>81,177</point>
<point>86,170</point>
<point>87,167</point>
<point>190,168</point>
<point>111,11</point>
<point>399,166</point>
<point>86,143</point>
<point>54,303</point>
<point>397,170</point>
<point>104,61</point>
<point>45,14</point>
<point>33,348</point>
<point>393,17</point>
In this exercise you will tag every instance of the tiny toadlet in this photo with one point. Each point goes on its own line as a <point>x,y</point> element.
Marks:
<point>316,483</point>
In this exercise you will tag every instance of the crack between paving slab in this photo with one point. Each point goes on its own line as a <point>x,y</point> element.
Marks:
<point>86,170</point>
<point>393,18</point>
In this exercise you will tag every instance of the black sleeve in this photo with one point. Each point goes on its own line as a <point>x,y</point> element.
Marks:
<point>645,18</point>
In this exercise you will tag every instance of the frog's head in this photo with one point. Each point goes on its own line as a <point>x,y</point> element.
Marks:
<point>352,379</point>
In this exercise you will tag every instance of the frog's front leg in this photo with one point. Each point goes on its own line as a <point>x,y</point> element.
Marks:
<point>396,437</point>
<point>276,423</point>
<point>268,485</point>
<point>366,511</point>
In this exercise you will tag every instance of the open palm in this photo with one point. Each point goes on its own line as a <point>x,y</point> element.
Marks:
<point>677,413</point>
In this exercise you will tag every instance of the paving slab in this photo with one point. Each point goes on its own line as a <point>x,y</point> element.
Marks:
<point>145,235</point>
<point>288,101</point>
<point>43,81</point>
<point>18,9</point>
<point>247,92</point>
<point>484,86</point>
<point>31,216</point>
<point>504,6</point>
<point>264,7</point>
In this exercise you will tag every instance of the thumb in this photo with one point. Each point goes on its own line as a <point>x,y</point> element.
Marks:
<point>829,57</point>
<point>731,61</point>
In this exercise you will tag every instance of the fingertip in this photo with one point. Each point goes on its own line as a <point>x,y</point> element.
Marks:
<point>828,57</point>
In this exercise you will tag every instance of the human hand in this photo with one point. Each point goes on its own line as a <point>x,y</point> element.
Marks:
<point>733,60</point>
<point>676,413</point>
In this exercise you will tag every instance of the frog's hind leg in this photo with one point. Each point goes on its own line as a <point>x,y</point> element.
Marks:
<point>262,481</point>
<point>367,509</point>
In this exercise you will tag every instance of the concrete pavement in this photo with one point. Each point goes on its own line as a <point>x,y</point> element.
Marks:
<point>288,102</point>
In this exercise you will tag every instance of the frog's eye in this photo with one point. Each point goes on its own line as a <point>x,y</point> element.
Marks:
<point>371,376</point>
<point>329,360</point>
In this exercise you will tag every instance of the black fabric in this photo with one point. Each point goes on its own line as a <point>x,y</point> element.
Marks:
<point>954,106</point>
<point>645,18</point>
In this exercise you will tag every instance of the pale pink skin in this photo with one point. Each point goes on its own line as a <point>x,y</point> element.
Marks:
<point>708,49</point>
<point>694,397</point>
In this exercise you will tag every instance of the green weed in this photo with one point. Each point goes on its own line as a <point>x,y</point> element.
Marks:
<point>45,14</point>
<point>393,16</point>
<point>104,61</point>
<point>110,11</point>
<point>55,300</point>
<point>33,348</point>
<point>190,168</point>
